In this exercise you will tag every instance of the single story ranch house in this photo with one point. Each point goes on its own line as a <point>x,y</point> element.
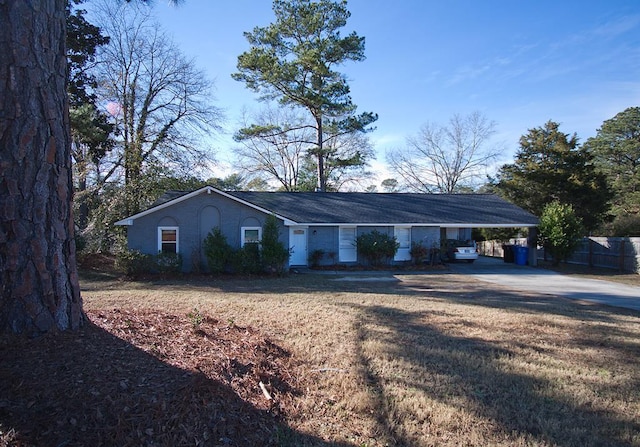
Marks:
<point>179,221</point>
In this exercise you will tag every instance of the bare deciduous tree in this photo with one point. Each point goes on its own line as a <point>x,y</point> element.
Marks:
<point>279,147</point>
<point>445,159</point>
<point>158,99</point>
<point>348,156</point>
<point>275,146</point>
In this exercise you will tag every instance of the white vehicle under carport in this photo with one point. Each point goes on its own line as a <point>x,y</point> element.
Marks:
<point>457,250</point>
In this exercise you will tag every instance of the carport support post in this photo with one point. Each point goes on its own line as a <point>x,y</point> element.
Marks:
<point>532,244</point>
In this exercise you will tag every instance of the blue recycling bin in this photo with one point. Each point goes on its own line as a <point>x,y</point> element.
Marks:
<point>521,255</point>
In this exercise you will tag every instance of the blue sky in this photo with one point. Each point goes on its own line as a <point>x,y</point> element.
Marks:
<point>520,63</point>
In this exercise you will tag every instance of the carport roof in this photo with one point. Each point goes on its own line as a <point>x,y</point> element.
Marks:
<point>316,208</point>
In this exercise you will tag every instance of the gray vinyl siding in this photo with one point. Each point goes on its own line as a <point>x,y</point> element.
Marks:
<point>195,218</point>
<point>325,239</point>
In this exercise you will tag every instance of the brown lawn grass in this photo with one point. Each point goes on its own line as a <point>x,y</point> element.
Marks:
<point>429,360</point>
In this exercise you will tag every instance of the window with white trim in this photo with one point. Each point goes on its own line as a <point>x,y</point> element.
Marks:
<point>347,244</point>
<point>403,237</point>
<point>168,240</point>
<point>250,235</point>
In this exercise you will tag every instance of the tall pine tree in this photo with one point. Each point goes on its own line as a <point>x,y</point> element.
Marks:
<point>294,61</point>
<point>39,289</point>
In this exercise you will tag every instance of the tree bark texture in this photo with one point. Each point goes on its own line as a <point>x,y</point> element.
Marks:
<point>38,273</point>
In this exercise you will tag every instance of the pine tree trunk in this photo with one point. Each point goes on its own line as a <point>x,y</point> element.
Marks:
<point>38,273</point>
<point>321,180</point>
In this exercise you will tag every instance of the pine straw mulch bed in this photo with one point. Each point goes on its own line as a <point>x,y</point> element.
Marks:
<point>145,379</point>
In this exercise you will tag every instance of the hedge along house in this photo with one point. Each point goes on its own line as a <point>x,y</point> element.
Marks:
<point>179,221</point>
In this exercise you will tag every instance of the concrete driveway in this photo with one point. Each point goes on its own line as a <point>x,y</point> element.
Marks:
<point>551,283</point>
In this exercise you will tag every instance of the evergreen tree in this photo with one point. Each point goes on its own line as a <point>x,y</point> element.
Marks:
<point>83,39</point>
<point>274,254</point>
<point>560,230</point>
<point>293,60</point>
<point>90,141</point>
<point>91,133</point>
<point>616,152</point>
<point>550,166</point>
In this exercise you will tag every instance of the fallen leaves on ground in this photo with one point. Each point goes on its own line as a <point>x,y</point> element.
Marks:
<point>142,378</point>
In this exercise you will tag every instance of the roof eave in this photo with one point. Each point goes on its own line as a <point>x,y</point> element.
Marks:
<point>417,224</point>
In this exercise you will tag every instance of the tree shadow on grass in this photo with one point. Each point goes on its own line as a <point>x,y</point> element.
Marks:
<point>92,388</point>
<point>468,376</point>
<point>426,287</point>
<point>442,284</point>
<point>600,324</point>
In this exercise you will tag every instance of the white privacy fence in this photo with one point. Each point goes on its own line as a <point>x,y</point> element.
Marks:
<point>620,253</point>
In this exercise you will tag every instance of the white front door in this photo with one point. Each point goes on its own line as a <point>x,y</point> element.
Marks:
<point>403,236</point>
<point>298,246</point>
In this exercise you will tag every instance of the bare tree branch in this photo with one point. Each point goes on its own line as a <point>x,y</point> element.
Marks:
<point>164,101</point>
<point>446,159</point>
<point>275,150</point>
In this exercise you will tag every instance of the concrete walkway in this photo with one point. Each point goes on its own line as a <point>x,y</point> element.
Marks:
<point>551,283</point>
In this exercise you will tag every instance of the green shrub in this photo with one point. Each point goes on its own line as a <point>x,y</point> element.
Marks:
<point>560,230</point>
<point>196,318</point>
<point>168,262</point>
<point>248,259</point>
<point>274,254</point>
<point>133,263</point>
<point>218,251</point>
<point>377,247</point>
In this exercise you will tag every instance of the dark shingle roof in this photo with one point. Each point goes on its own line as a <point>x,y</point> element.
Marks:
<point>168,196</point>
<point>391,208</point>
<point>382,208</point>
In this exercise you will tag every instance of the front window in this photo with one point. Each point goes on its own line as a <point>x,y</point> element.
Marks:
<point>251,235</point>
<point>347,244</point>
<point>168,240</point>
<point>403,237</point>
